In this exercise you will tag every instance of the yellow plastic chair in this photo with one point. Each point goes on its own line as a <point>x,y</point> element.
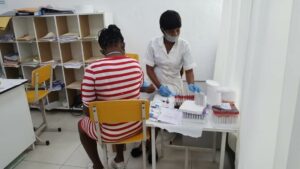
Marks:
<point>39,77</point>
<point>121,111</point>
<point>133,56</point>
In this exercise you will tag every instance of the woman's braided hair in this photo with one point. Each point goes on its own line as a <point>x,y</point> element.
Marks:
<point>110,36</point>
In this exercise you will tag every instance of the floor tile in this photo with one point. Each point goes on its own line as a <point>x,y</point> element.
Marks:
<point>65,120</point>
<point>203,160</point>
<point>36,165</point>
<point>79,158</point>
<point>62,145</point>
<point>70,167</point>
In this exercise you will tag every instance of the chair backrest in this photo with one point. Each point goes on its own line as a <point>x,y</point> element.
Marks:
<point>119,111</point>
<point>133,56</point>
<point>41,75</point>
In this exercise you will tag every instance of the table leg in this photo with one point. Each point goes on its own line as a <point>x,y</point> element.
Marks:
<point>153,147</point>
<point>186,163</point>
<point>214,155</point>
<point>162,142</point>
<point>222,153</point>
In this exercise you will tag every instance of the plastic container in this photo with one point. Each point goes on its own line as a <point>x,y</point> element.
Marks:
<point>225,117</point>
<point>213,95</point>
<point>193,113</point>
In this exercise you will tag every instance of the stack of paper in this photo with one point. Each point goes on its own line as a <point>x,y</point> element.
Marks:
<point>90,37</point>
<point>25,37</point>
<point>31,62</point>
<point>49,37</point>
<point>7,37</point>
<point>53,63</point>
<point>11,60</point>
<point>172,116</point>
<point>69,37</point>
<point>73,64</point>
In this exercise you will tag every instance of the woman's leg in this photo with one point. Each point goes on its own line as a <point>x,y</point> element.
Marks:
<point>90,147</point>
<point>137,152</point>
<point>120,155</point>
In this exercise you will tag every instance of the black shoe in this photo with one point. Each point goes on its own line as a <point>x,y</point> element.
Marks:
<point>150,156</point>
<point>136,152</point>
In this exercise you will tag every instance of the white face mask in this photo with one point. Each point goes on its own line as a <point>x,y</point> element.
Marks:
<point>171,38</point>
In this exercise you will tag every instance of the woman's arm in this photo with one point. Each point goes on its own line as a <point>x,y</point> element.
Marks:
<point>151,74</point>
<point>189,74</point>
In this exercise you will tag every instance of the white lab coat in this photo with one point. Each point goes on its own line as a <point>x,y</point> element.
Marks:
<point>167,66</point>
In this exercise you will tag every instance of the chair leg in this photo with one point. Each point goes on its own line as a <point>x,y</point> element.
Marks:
<point>39,141</point>
<point>44,115</point>
<point>104,147</point>
<point>43,126</point>
<point>144,153</point>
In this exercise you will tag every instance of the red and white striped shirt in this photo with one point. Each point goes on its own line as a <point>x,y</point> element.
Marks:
<point>111,78</point>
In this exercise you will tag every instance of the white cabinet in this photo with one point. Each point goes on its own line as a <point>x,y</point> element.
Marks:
<point>15,123</point>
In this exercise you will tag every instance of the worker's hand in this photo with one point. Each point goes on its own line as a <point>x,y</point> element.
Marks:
<point>164,91</point>
<point>194,88</point>
<point>147,87</point>
<point>146,84</point>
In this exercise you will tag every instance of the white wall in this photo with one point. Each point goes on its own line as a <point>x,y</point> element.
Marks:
<point>139,22</point>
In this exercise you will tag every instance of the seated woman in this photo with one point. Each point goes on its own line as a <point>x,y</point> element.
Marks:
<point>114,77</point>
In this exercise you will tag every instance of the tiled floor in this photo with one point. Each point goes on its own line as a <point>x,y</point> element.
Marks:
<point>66,152</point>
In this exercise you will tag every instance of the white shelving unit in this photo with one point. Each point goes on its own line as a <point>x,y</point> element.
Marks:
<point>61,53</point>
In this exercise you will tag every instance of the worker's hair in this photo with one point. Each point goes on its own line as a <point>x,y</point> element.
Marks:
<point>110,36</point>
<point>170,20</point>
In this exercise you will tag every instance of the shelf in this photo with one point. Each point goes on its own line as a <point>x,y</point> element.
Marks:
<point>44,25</point>
<point>49,51</point>
<point>28,52</point>
<point>8,48</point>
<point>83,47</point>
<point>30,64</point>
<point>8,41</point>
<point>8,65</point>
<point>73,64</point>
<point>74,96</point>
<point>75,85</point>
<point>93,59</point>
<point>90,39</point>
<point>66,24</point>
<point>90,24</point>
<point>13,73</point>
<point>26,41</point>
<point>91,50</point>
<point>73,75</point>
<point>27,72</point>
<point>70,51</point>
<point>23,26</point>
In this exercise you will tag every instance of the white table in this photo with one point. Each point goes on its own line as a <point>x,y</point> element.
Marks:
<point>209,126</point>
<point>16,127</point>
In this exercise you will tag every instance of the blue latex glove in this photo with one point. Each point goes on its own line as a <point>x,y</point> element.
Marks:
<point>194,88</point>
<point>164,91</point>
<point>146,84</point>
